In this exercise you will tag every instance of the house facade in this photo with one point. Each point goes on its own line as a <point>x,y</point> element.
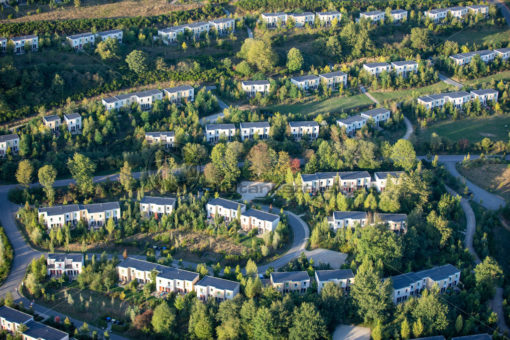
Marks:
<point>211,287</point>
<point>252,87</point>
<point>24,43</point>
<point>9,142</point>
<point>485,95</point>
<point>166,138</point>
<point>437,14</point>
<point>224,208</point>
<point>305,83</point>
<point>52,122</point>
<point>73,122</point>
<point>458,12</point>
<point>377,68</point>
<point>170,34</point>
<point>223,25</point>
<point>398,15</point>
<point>252,129</point>
<point>178,94</point>
<point>96,214</point>
<point>381,179</point>
<point>405,67</point>
<point>11,320</point>
<point>302,19</point>
<point>262,221</point>
<point>347,181</point>
<point>327,18</point>
<point>343,278</point>
<point>465,58</point>
<point>70,265</point>
<point>378,115</point>
<point>111,34</point>
<point>374,16</point>
<point>479,9</point>
<point>197,28</point>
<point>333,79</point>
<point>503,53</point>
<point>300,129</point>
<point>439,100</point>
<point>150,205</point>
<point>274,19</point>
<point>352,123</point>
<point>395,222</point>
<point>215,132</point>
<point>144,98</point>
<point>287,282</point>
<point>347,219</point>
<point>78,41</point>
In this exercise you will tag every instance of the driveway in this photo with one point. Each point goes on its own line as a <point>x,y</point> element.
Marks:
<point>409,128</point>
<point>348,332</point>
<point>450,81</point>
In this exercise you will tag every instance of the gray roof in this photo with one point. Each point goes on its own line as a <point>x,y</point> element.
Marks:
<point>255,82</point>
<point>109,32</point>
<point>277,14</point>
<point>99,207</point>
<point>502,50</point>
<point>261,215</point>
<point>160,133</point>
<point>318,175</point>
<point>477,6</point>
<point>5,138</point>
<point>14,315</point>
<point>301,14</point>
<point>254,125</point>
<point>281,277</point>
<point>221,20</point>
<point>375,112</point>
<point>482,92</point>
<point>439,273</point>
<point>147,266</point>
<point>370,13</point>
<point>171,29</point>
<point>332,74</point>
<point>471,54</point>
<point>328,13</point>
<point>147,93</point>
<point>38,330</point>
<point>437,10</point>
<point>228,204</point>
<point>304,78</point>
<point>396,11</point>
<point>195,24</point>
<point>391,217</point>
<point>456,8</point>
<point>353,215</point>
<point>219,126</point>
<point>63,257</point>
<point>457,94</point>
<point>372,65</point>
<point>404,62</point>
<point>335,274</point>
<point>178,88</point>
<point>177,274</point>
<point>405,280</point>
<point>51,118</point>
<point>24,37</point>
<point>72,116</point>
<point>158,200</point>
<point>345,175</point>
<point>80,35</point>
<point>303,123</point>
<point>385,174</point>
<point>483,336</point>
<point>351,119</point>
<point>218,283</point>
<point>438,337</point>
<point>60,209</point>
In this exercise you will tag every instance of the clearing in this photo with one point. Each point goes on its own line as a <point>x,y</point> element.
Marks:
<point>474,130</point>
<point>505,75</point>
<point>494,178</point>
<point>410,94</point>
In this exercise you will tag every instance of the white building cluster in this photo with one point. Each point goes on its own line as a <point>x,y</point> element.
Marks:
<point>311,82</point>
<point>16,322</point>
<point>485,55</point>
<point>459,12</point>
<point>147,98</point>
<point>96,214</point>
<point>222,26</point>
<point>72,121</point>
<point>352,219</point>
<point>400,67</point>
<point>356,122</point>
<point>457,99</point>
<point>9,143</point>
<point>80,40</point>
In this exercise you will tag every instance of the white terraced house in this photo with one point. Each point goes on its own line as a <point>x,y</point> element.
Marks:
<point>287,282</point>
<point>166,138</point>
<point>308,82</point>
<point>3,45</point>
<point>485,95</point>
<point>347,219</point>
<point>327,18</point>
<point>404,67</point>
<point>437,14</point>
<point>223,25</point>
<point>503,53</point>
<point>170,34</point>
<point>378,115</point>
<point>26,42</point>
<point>262,221</point>
<point>78,41</point>
<point>211,287</point>
<point>144,98</point>
<point>273,19</point>
<point>333,79</point>
<point>215,132</point>
<point>73,122</point>
<point>374,16</point>
<point>111,34</point>
<point>352,123</point>
<point>439,100</point>
<point>399,15</point>
<point>348,181</point>
<point>301,19</point>
<point>465,58</point>
<point>395,222</point>
<point>458,12</point>
<point>69,264</point>
<point>340,277</point>
<point>250,130</point>
<point>412,284</point>
<point>252,87</point>
<point>9,143</point>
<point>150,205</point>
<point>52,122</point>
<point>177,94</point>
<point>482,9</point>
<point>377,68</point>
<point>224,208</point>
<point>304,128</point>
<point>96,215</point>
<point>381,179</point>
<point>11,320</point>
<point>197,28</point>
<point>351,181</point>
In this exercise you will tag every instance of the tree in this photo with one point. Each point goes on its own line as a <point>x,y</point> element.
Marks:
<point>24,173</point>
<point>47,175</point>
<point>108,49</point>
<point>420,38</point>
<point>251,269</point>
<point>77,3</point>
<point>459,324</point>
<point>110,226</point>
<point>137,61</point>
<point>380,243</point>
<point>487,275</point>
<point>294,60</point>
<point>258,53</point>
<point>431,311</point>
<point>142,321</point>
<point>371,295</point>
<point>125,177</point>
<point>82,169</point>
<point>261,159</point>
<point>403,154</point>
<point>307,323</point>
<point>200,323</point>
<point>194,153</point>
<point>163,319</point>
<point>417,328</point>
<point>405,330</point>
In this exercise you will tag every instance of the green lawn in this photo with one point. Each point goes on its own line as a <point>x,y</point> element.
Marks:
<point>481,35</point>
<point>505,75</point>
<point>496,128</point>
<point>336,104</point>
<point>404,95</point>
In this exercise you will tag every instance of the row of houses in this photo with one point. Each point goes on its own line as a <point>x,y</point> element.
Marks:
<point>403,67</point>
<point>78,41</point>
<point>485,55</point>
<point>356,122</point>
<point>312,82</point>
<point>147,98</point>
<point>459,12</point>
<point>95,215</point>
<point>458,98</point>
<point>222,26</point>
<point>483,336</point>
<point>72,122</point>
<point>20,44</point>
<point>348,181</point>
<point>351,219</point>
<point>397,15</point>
<point>251,219</point>
<point>23,324</point>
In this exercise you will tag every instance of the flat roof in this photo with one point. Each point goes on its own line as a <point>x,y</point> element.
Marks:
<point>158,200</point>
<point>351,119</point>
<point>62,257</point>
<point>353,215</point>
<point>335,274</point>
<point>39,330</point>
<point>281,277</point>
<point>249,125</point>
<point>305,77</point>
<point>218,283</point>
<point>261,215</point>
<point>178,88</point>
<point>14,315</point>
<point>227,204</point>
<point>303,123</point>
<point>80,35</point>
<point>219,126</point>
<point>5,138</point>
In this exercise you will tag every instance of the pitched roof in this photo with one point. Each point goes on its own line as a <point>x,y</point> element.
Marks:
<point>370,13</point>
<point>177,274</point>
<point>158,200</point>
<point>303,123</point>
<point>405,280</point>
<point>305,78</point>
<point>439,273</point>
<point>277,14</point>
<point>14,315</point>
<point>350,175</point>
<point>261,215</point>
<point>63,257</point>
<point>60,209</point>
<point>375,112</point>
<point>502,50</point>
<point>335,274</point>
<point>332,74</point>
<point>227,204</point>
<point>156,134</point>
<point>142,265</point>
<point>100,207</point>
<point>147,93</point>
<point>38,330</point>
<point>328,13</point>
<point>5,138</point>
<point>178,88</point>
<point>280,277</point>
<point>249,125</point>
<point>219,127</point>
<point>482,92</point>
<point>385,174</point>
<point>391,217</point>
<point>51,118</point>
<point>437,10</point>
<point>301,14</point>
<point>103,33</point>
<point>372,65</point>
<point>353,215</point>
<point>255,82</point>
<point>221,20</point>
<point>171,29</point>
<point>351,119</point>
<point>72,116</point>
<point>397,11</point>
<point>404,62</point>
<point>218,283</point>
<point>24,37</point>
<point>80,35</point>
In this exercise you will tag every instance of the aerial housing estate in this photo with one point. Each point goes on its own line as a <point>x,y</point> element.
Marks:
<point>459,12</point>
<point>95,215</point>
<point>458,98</point>
<point>147,98</point>
<point>222,26</point>
<point>15,322</point>
<point>80,40</point>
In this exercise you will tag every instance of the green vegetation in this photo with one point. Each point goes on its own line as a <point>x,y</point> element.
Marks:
<point>505,75</point>
<point>492,175</point>
<point>6,255</point>
<point>481,35</point>
<point>410,94</point>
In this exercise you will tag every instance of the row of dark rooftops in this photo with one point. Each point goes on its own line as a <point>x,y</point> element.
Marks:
<point>69,208</point>
<point>229,126</point>
<point>350,175</point>
<point>34,329</point>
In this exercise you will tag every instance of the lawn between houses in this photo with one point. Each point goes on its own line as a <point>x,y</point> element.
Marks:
<point>481,35</point>
<point>410,94</point>
<point>494,178</point>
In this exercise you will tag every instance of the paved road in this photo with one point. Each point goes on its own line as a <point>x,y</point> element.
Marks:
<point>215,116</point>
<point>372,98</point>
<point>409,128</point>
<point>450,81</point>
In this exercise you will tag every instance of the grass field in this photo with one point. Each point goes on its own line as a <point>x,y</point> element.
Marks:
<point>496,128</point>
<point>100,9</point>
<point>505,75</point>
<point>491,177</point>
<point>336,104</point>
<point>479,35</point>
<point>404,95</point>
